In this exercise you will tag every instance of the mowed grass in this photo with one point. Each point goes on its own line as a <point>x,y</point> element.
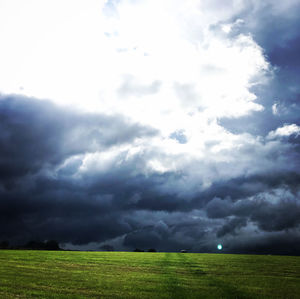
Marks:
<point>67,274</point>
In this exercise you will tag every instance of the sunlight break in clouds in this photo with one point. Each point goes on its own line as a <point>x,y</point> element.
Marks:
<point>132,57</point>
<point>167,65</point>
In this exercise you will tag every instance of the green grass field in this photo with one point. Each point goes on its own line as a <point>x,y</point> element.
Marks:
<point>67,274</point>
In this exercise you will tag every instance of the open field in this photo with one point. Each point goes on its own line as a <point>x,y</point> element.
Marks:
<point>67,274</point>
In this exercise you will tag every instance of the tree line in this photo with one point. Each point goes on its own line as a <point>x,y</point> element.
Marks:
<point>34,245</point>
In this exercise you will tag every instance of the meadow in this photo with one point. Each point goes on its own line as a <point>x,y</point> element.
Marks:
<point>70,274</point>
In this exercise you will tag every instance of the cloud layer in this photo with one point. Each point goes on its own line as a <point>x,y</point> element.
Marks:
<point>183,131</point>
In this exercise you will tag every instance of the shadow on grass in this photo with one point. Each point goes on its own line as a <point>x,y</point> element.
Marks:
<point>172,285</point>
<point>193,269</point>
<point>223,288</point>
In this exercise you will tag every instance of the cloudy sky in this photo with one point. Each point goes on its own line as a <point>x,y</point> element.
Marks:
<point>151,124</point>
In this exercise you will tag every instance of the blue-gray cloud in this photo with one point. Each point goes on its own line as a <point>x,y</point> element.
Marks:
<point>41,199</point>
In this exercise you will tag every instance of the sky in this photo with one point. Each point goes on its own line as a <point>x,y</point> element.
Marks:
<point>151,124</point>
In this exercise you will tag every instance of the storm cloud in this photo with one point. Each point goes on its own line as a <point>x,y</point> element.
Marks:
<point>186,138</point>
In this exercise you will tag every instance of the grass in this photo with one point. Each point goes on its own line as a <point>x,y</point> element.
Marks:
<point>67,274</point>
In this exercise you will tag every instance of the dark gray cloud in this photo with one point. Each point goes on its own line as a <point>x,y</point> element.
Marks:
<point>36,134</point>
<point>273,243</point>
<point>37,199</point>
<point>45,196</point>
<point>271,211</point>
<point>232,226</point>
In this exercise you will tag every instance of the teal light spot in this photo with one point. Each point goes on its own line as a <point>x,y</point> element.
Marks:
<point>220,246</point>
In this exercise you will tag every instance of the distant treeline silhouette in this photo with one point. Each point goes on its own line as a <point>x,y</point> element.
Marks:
<point>33,245</point>
<point>141,250</point>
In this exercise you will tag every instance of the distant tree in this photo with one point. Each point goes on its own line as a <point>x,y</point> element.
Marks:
<point>107,247</point>
<point>138,250</point>
<point>36,245</point>
<point>52,245</point>
<point>39,245</point>
<point>4,245</point>
<point>152,250</point>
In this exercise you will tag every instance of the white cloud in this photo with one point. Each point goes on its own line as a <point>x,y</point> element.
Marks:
<point>275,110</point>
<point>285,131</point>
<point>183,76</point>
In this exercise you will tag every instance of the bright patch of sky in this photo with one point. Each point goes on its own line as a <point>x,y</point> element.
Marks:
<point>159,63</point>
